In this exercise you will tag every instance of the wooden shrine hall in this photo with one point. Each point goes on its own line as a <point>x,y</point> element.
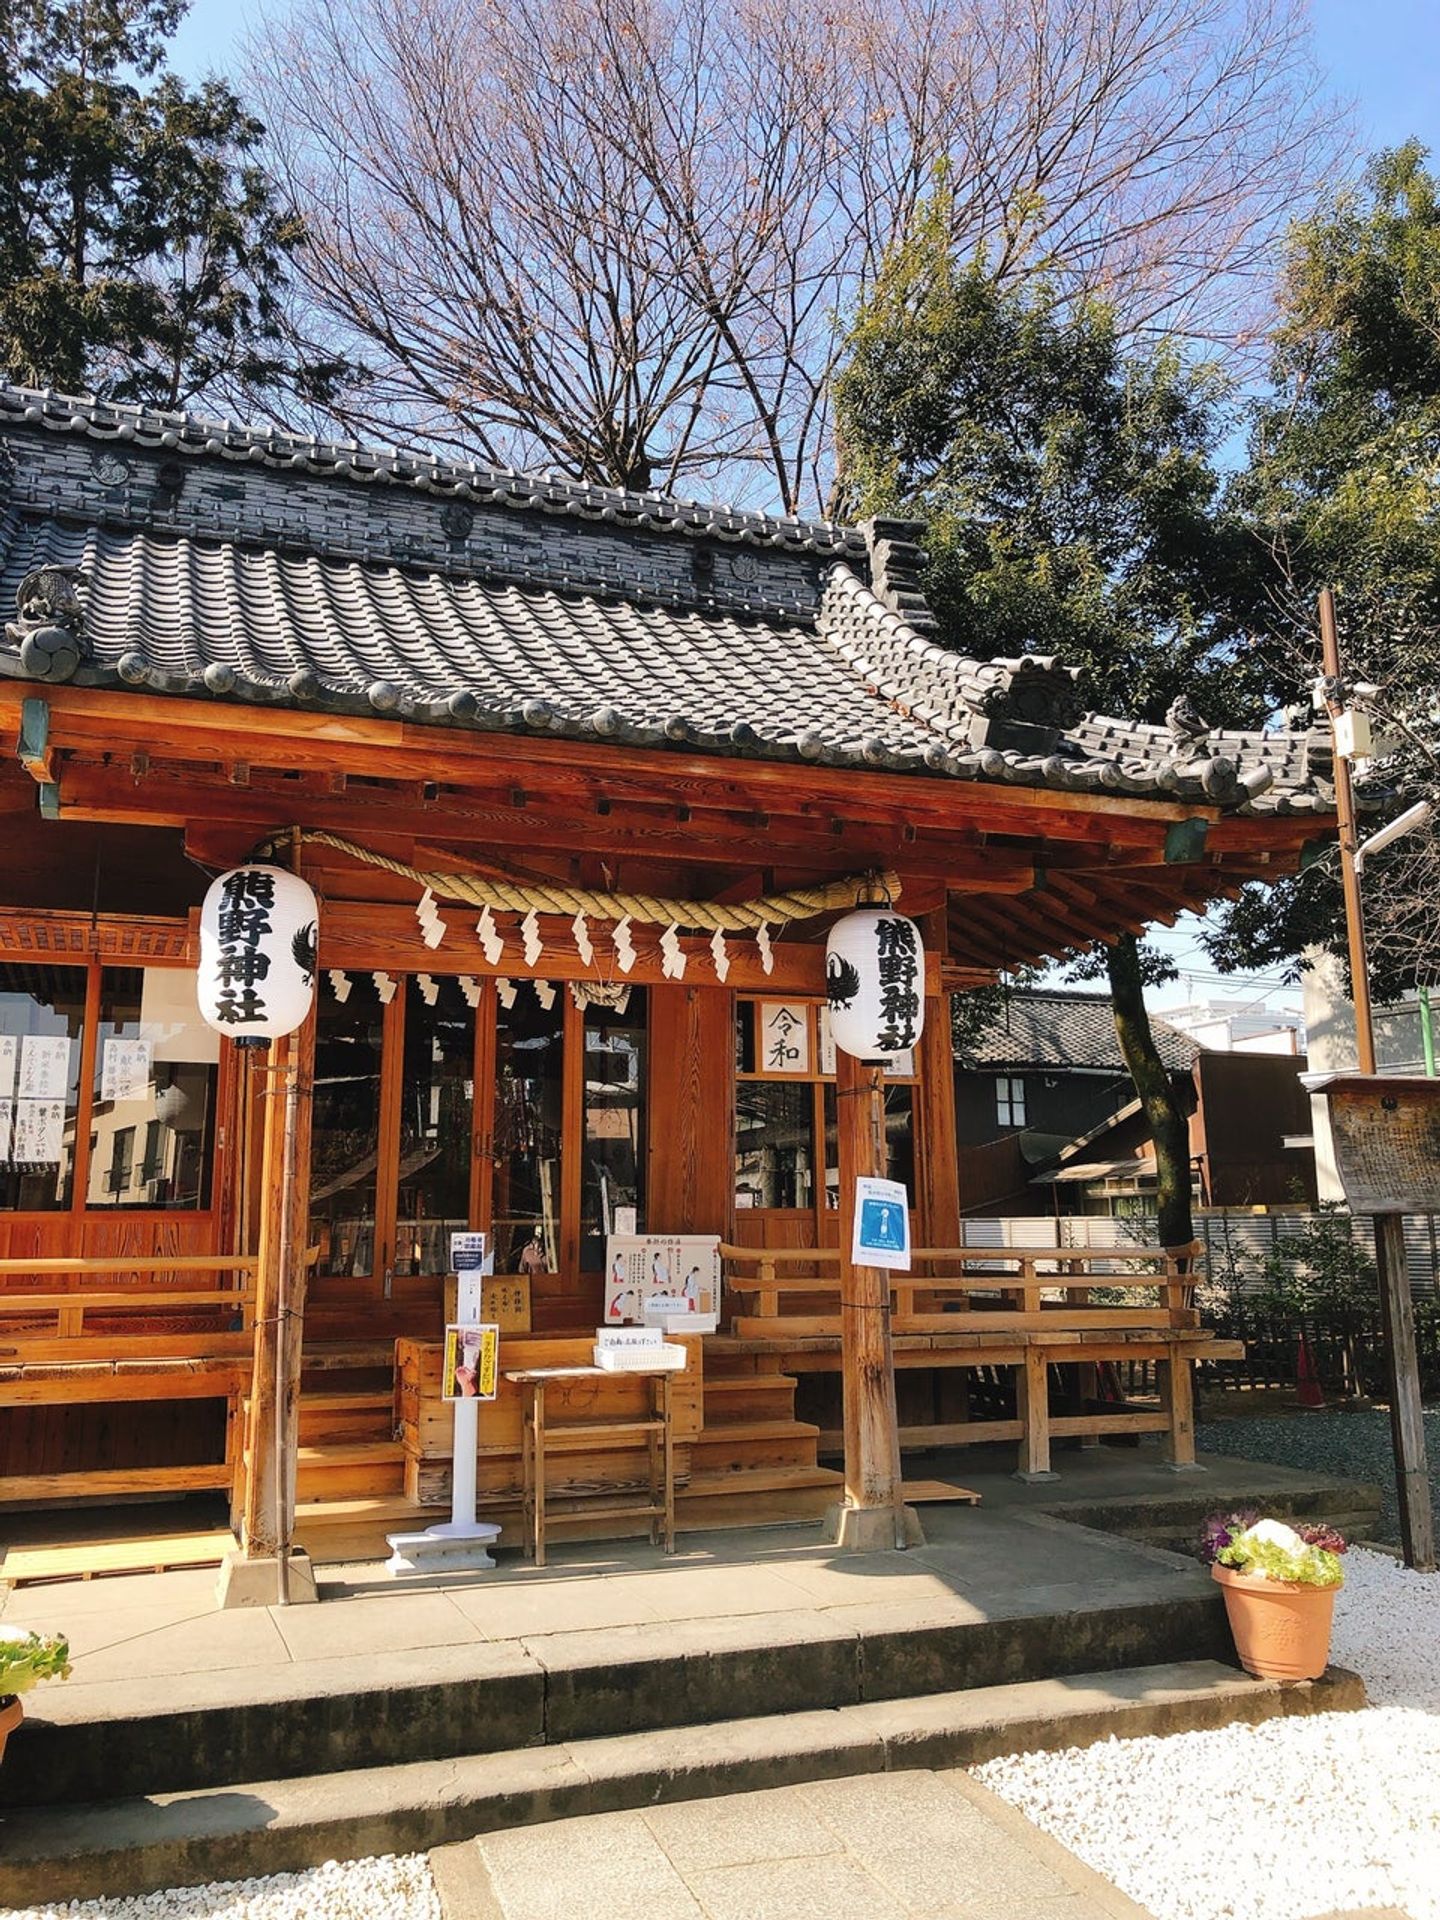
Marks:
<point>580,779</point>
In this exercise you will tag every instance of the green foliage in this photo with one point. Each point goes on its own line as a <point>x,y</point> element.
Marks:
<point>1066,480</point>
<point>28,1658</point>
<point>1322,1269</point>
<point>142,250</point>
<point>1300,1565</point>
<point>1343,490</point>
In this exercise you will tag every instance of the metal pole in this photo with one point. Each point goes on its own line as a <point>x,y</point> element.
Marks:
<point>1349,878</point>
<point>1427,1032</point>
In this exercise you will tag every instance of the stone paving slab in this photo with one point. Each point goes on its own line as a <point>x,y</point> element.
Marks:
<point>893,1846</point>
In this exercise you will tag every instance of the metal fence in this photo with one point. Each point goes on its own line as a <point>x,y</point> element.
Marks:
<point>1237,1245</point>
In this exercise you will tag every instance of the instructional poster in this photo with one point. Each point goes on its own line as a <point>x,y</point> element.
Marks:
<point>680,1269</point>
<point>44,1067</point>
<point>882,1224</point>
<point>472,1363</point>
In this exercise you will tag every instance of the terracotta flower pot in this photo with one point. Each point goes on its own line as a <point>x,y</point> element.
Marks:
<point>11,1714</point>
<point>1281,1628</point>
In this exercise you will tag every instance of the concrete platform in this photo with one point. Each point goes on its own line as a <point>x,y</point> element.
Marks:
<point>192,1744</point>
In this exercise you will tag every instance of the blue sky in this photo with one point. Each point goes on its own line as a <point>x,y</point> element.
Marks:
<point>1382,56</point>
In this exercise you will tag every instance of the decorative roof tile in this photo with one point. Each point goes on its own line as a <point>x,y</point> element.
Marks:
<point>145,549</point>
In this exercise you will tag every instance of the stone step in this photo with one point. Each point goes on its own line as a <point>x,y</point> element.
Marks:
<point>353,1709</point>
<point>259,1827</point>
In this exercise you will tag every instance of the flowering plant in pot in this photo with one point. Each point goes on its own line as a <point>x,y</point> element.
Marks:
<point>1279,1584</point>
<point>26,1659</point>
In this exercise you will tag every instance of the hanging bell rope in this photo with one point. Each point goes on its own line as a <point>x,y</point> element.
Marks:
<point>740,916</point>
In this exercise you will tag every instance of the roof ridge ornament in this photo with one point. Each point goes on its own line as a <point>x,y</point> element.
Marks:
<point>49,632</point>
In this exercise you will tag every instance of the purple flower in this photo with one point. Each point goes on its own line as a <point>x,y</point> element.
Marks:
<point>1319,1535</point>
<point>1218,1531</point>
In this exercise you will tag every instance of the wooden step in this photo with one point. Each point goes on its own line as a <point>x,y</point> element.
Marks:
<point>356,1468</point>
<point>784,1497</point>
<point>744,1397</point>
<point>333,1415</point>
<point>738,1446</point>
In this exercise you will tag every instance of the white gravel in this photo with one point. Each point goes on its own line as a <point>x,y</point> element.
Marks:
<point>1284,1821</point>
<point>395,1887</point>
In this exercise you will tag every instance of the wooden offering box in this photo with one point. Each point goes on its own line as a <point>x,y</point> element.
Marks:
<point>427,1428</point>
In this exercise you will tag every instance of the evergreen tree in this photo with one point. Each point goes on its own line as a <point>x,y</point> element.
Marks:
<point>1072,507</point>
<point>1343,490</point>
<point>142,250</point>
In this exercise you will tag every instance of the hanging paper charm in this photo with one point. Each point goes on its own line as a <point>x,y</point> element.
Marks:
<point>762,941</point>
<point>624,945</point>
<point>534,945</point>
<point>258,938</point>
<point>490,938</point>
<point>722,957</point>
<point>583,945</point>
<point>875,983</point>
<point>672,962</point>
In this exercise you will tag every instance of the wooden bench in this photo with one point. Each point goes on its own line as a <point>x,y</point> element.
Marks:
<point>1003,1307</point>
<point>97,1343</point>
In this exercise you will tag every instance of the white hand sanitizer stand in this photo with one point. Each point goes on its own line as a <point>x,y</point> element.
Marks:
<point>459,1544</point>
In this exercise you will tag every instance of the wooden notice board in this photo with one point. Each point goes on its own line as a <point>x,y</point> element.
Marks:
<point>1386,1133</point>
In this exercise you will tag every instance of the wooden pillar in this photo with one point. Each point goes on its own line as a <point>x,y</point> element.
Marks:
<point>937,1151</point>
<point>1407,1417</point>
<point>266,1571</point>
<point>873,1517</point>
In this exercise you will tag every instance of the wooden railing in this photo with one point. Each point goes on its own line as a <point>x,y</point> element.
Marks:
<point>1020,1277</point>
<point>96,1344</point>
<point>1031,1309</point>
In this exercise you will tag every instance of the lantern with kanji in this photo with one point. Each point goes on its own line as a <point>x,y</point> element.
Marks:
<point>258,936</point>
<point>875,982</point>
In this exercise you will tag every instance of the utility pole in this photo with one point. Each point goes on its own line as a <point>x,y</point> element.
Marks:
<point>1397,1308</point>
<point>1349,842</point>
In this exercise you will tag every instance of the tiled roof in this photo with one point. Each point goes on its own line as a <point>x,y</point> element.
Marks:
<point>218,562</point>
<point>1037,1028</point>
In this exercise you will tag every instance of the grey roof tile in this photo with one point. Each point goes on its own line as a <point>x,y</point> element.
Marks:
<point>247,573</point>
<point>1041,1028</point>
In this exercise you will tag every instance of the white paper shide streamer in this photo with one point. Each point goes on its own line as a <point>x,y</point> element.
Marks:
<point>490,938</point>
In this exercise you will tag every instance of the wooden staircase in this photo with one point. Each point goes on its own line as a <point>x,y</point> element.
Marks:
<point>752,1464</point>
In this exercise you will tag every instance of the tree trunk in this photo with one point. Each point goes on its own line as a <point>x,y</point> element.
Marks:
<point>1169,1127</point>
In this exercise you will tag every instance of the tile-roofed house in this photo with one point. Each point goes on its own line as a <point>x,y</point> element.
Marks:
<point>1042,1027</point>
<point>581,780</point>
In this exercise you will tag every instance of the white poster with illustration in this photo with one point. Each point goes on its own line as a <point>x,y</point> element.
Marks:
<point>124,1069</point>
<point>882,1224</point>
<point>682,1269</point>
<point>44,1067</point>
<point>39,1132</point>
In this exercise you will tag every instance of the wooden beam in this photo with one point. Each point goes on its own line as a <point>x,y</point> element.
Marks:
<point>34,750</point>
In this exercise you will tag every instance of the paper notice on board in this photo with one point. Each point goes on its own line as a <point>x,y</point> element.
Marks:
<point>125,1069</point>
<point>9,1060</point>
<point>882,1224</point>
<point>6,1116</point>
<point>44,1067</point>
<point>39,1132</point>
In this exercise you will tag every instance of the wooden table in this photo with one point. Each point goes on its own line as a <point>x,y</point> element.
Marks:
<point>659,1501</point>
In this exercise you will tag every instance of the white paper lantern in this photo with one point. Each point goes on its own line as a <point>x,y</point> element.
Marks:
<point>258,935</point>
<point>875,983</point>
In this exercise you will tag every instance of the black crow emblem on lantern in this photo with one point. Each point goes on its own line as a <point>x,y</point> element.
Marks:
<point>842,981</point>
<point>303,947</point>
